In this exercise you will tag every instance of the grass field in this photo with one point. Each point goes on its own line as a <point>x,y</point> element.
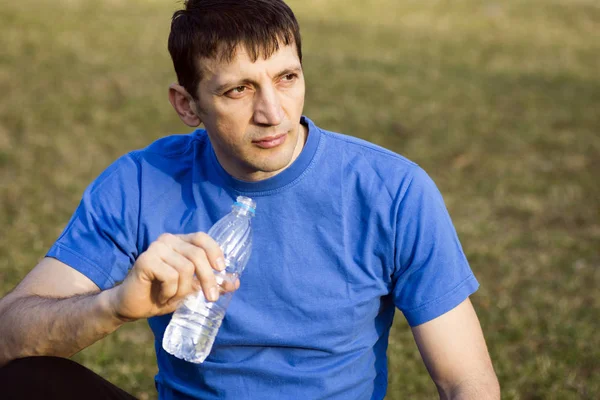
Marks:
<point>498,100</point>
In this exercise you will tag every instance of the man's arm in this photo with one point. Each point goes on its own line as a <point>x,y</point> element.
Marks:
<point>58,311</point>
<point>55,310</point>
<point>456,356</point>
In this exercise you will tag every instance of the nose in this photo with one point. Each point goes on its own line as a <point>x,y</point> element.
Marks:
<point>267,107</point>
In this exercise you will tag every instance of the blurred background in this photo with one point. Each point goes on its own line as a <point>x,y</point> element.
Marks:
<point>498,100</point>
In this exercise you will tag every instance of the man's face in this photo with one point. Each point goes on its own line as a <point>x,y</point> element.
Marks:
<point>251,111</point>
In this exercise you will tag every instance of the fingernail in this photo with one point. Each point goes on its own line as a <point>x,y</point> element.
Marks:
<point>213,293</point>
<point>221,264</point>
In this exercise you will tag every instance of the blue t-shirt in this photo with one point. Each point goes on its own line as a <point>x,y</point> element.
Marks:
<point>343,236</point>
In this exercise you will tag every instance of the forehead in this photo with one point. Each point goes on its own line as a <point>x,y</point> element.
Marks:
<point>241,65</point>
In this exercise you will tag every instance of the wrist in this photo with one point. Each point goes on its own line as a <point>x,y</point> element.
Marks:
<point>108,301</point>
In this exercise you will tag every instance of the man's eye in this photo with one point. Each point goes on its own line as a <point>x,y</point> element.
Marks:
<point>238,90</point>
<point>289,77</point>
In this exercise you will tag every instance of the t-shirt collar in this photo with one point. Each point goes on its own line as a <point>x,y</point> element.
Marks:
<point>282,179</point>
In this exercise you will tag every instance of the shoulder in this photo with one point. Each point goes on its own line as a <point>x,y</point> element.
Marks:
<point>168,154</point>
<point>172,146</point>
<point>366,148</point>
<point>362,153</point>
<point>368,161</point>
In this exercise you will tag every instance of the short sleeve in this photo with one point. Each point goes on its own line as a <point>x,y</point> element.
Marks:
<point>432,274</point>
<point>100,239</point>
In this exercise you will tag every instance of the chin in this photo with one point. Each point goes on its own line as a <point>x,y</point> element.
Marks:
<point>275,164</point>
<point>272,167</point>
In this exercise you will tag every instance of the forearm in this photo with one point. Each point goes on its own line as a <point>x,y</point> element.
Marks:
<point>33,326</point>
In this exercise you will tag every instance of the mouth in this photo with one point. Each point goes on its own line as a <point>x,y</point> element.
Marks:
<point>268,142</point>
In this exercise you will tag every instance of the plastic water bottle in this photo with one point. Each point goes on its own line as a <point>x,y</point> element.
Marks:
<point>191,333</point>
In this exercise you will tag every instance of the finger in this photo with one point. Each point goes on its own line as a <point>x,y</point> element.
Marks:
<point>169,283</point>
<point>196,285</point>
<point>212,249</point>
<point>204,272</point>
<point>229,284</point>
<point>166,277</point>
<point>184,267</point>
<point>170,307</point>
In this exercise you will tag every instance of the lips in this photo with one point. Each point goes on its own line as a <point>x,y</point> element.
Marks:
<point>269,142</point>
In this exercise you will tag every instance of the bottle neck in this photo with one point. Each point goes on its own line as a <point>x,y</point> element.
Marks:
<point>242,211</point>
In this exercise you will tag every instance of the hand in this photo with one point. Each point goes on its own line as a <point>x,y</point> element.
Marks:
<point>171,268</point>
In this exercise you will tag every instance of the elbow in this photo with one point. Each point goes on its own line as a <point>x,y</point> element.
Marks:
<point>6,355</point>
<point>4,359</point>
<point>11,340</point>
<point>11,350</point>
<point>481,387</point>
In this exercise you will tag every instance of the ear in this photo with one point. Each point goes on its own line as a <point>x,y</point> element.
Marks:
<point>184,105</point>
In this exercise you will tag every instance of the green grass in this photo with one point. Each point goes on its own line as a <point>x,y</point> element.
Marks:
<point>498,101</point>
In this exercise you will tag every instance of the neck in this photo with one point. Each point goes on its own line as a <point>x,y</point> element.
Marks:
<point>256,176</point>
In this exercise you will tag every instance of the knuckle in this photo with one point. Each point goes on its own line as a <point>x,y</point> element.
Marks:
<point>214,251</point>
<point>143,258</point>
<point>202,236</point>
<point>198,256</point>
<point>206,276</point>
<point>171,275</point>
<point>187,267</point>
<point>158,245</point>
<point>202,239</point>
<point>165,238</point>
<point>158,248</point>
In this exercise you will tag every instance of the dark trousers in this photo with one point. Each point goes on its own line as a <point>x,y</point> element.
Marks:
<point>55,378</point>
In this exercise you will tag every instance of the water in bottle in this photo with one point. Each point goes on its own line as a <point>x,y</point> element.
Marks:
<point>191,333</point>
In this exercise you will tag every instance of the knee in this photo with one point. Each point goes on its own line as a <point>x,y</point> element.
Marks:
<point>31,366</point>
<point>36,377</point>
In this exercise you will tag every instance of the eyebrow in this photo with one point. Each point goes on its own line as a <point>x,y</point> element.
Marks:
<point>241,82</point>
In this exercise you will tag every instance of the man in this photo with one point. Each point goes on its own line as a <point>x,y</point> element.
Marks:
<point>345,232</point>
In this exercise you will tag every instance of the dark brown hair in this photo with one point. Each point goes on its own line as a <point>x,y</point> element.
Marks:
<point>213,29</point>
